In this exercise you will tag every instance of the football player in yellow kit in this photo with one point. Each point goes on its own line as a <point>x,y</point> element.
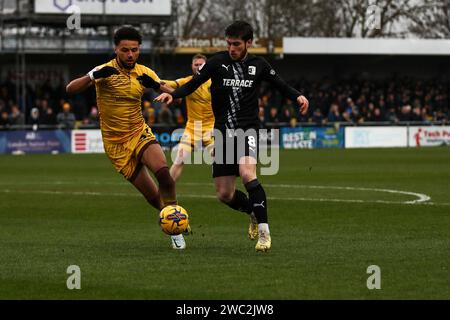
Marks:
<point>200,118</point>
<point>128,140</point>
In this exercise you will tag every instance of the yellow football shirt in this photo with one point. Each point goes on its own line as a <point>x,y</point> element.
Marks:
<point>119,102</point>
<point>198,103</point>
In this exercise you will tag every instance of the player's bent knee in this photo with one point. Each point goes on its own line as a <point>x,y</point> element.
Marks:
<point>247,177</point>
<point>225,195</point>
<point>247,173</point>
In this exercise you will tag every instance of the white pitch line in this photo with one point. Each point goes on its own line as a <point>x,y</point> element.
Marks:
<point>421,198</point>
<point>87,193</point>
<point>331,200</point>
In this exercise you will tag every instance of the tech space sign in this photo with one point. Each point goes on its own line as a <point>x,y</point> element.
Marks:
<point>429,136</point>
<point>87,141</point>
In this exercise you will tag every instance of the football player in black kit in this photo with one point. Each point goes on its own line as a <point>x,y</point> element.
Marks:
<point>236,76</point>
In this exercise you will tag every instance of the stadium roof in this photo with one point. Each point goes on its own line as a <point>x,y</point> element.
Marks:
<point>297,45</point>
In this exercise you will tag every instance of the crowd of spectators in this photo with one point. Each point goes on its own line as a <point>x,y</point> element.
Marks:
<point>350,101</point>
<point>48,106</point>
<point>355,101</point>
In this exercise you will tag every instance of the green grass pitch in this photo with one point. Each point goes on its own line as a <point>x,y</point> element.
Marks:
<point>332,214</point>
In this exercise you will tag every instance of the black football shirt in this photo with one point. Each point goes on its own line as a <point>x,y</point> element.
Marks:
<point>235,87</point>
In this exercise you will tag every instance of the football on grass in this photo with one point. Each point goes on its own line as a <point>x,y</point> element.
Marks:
<point>173,219</point>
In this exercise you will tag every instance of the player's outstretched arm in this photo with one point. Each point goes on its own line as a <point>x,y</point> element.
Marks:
<point>78,85</point>
<point>149,82</point>
<point>288,91</point>
<point>165,88</point>
<point>165,98</point>
<point>203,74</point>
<point>181,92</point>
<point>82,83</point>
<point>168,89</point>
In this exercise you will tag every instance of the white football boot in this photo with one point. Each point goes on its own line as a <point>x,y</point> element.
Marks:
<point>178,242</point>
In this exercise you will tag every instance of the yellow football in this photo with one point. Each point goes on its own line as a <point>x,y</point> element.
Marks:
<point>173,219</point>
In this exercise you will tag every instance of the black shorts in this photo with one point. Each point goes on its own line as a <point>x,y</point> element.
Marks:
<point>230,147</point>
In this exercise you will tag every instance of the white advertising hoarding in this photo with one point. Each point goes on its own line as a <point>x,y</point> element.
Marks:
<point>299,45</point>
<point>112,7</point>
<point>376,137</point>
<point>87,141</point>
<point>429,136</point>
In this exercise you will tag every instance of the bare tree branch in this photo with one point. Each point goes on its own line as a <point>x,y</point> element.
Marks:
<point>433,21</point>
<point>275,19</point>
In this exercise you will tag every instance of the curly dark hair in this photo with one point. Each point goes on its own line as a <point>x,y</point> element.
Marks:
<point>127,33</point>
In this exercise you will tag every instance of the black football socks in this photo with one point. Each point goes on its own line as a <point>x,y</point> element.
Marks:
<point>258,201</point>
<point>240,202</point>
